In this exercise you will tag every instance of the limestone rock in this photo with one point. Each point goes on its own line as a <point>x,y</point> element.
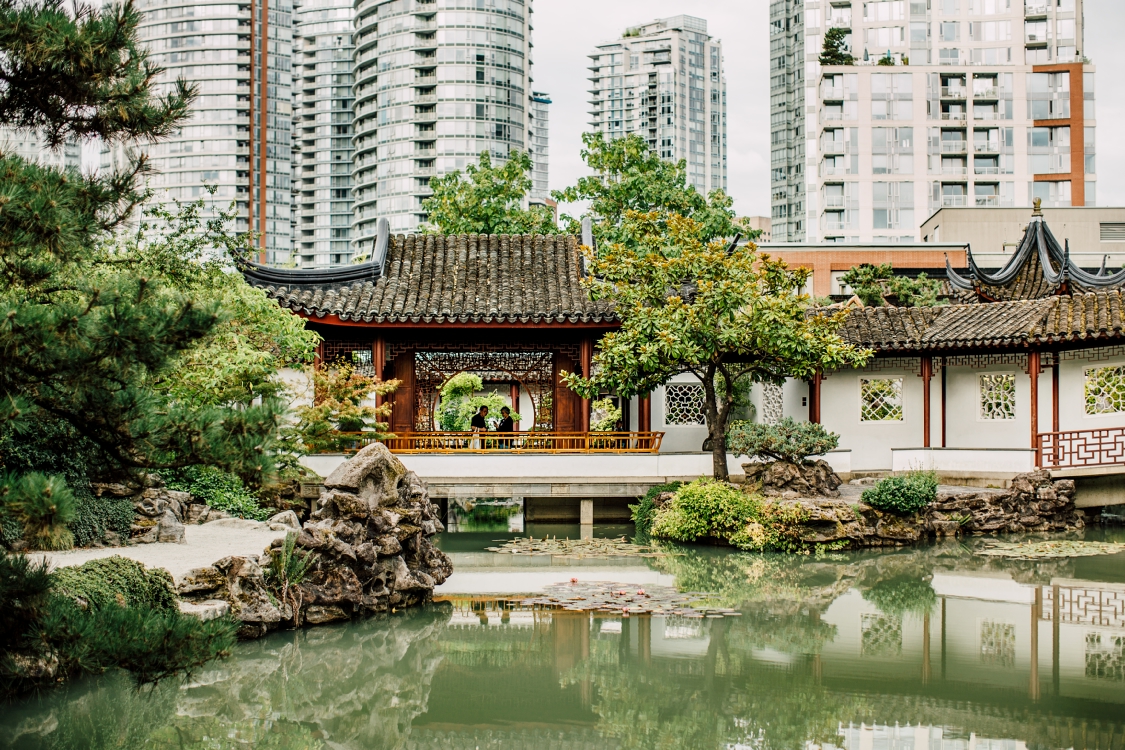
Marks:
<point>208,609</point>
<point>287,519</point>
<point>169,528</point>
<point>776,478</point>
<point>368,544</point>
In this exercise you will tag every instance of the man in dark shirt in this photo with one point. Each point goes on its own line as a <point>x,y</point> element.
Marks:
<point>478,423</point>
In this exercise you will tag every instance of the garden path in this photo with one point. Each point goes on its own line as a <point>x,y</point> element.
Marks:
<point>203,546</point>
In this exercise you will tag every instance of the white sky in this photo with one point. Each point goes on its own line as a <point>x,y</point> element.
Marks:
<point>567,30</point>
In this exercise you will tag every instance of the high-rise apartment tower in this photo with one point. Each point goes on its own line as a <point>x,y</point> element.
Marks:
<point>432,91</point>
<point>664,81</point>
<point>238,136</point>
<point>948,103</point>
<point>322,132</point>
<point>539,147</point>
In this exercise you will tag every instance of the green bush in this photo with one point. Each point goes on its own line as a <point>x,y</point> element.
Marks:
<point>94,516</point>
<point>218,489</point>
<point>788,440</point>
<point>709,509</point>
<point>905,494</point>
<point>645,508</point>
<point>116,581</point>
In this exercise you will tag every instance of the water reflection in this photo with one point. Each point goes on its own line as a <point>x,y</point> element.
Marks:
<point>928,649</point>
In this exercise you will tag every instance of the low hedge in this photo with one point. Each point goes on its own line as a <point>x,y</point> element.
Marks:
<point>116,581</point>
<point>905,494</point>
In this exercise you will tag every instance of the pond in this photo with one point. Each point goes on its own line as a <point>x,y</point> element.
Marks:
<point>934,648</point>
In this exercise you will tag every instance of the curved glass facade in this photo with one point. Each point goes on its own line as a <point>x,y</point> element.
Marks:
<point>238,136</point>
<point>322,132</point>
<point>436,83</point>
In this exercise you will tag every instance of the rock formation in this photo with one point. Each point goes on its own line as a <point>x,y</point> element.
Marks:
<point>158,510</point>
<point>369,545</point>
<point>790,480</point>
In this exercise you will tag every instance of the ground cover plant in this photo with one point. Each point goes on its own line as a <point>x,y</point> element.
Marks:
<point>645,509</point>
<point>904,494</point>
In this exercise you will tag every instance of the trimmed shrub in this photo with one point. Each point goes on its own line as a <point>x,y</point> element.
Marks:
<point>905,494</point>
<point>218,489</point>
<point>116,582</point>
<point>645,508</point>
<point>716,510</point>
<point>788,440</point>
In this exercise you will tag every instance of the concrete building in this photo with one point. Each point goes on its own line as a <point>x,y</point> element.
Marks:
<point>987,103</point>
<point>32,147</point>
<point>322,132</point>
<point>538,144</point>
<point>664,81</point>
<point>432,91</point>
<point>1094,234</point>
<point>238,137</point>
<point>762,223</point>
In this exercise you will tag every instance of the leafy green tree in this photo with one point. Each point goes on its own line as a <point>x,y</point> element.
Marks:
<point>84,336</point>
<point>487,199</point>
<point>629,176</point>
<point>341,406</point>
<point>835,51</point>
<point>462,397</point>
<point>873,284</point>
<point>722,314</point>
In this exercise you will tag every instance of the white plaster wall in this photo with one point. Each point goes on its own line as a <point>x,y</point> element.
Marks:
<point>299,386</point>
<point>795,396</point>
<point>1072,396</point>
<point>870,443</point>
<point>964,426</point>
<point>677,438</point>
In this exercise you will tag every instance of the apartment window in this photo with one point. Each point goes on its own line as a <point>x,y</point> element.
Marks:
<point>880,399</point>
<point>919,31</point>
<point>998,396</point>
<point>1105,390</point>
<point>950,31</point>
<point>893,205</point>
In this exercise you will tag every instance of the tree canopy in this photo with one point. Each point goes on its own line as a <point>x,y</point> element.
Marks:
<point>629,176</point>
<point>835,51</point>
<point>722,313</point>
<point>878,286</point>
<point>487,199</point>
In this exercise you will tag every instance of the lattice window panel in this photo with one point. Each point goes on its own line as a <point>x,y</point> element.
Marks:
<point>1105,656</point>
<point>880,399</point>
<point>1101,354</point>
<point>773,403</point>
<point>533,370</point>
<point>1086,606</point>
<point>884,364</point>
<point>998,395</point>
<point>998,643</point>
<point>357,353</point>
<point>683,404</point>
<point>980,361</point>
<point>881,635</point>
<point>1105,390</point>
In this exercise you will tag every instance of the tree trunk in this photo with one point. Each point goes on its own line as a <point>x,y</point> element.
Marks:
<point>719,454</point>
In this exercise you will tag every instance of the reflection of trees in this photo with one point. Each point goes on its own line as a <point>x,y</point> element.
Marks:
<point>897,596</point>
<point>357,686</point>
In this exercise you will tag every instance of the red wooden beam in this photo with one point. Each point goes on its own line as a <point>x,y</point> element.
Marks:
<point>927,373</point>
<point>1033,373</point>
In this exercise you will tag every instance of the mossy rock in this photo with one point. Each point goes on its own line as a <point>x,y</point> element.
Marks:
<point>116,581</point>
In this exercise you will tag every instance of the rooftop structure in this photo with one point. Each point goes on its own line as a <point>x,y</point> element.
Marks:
<point>664,81</point>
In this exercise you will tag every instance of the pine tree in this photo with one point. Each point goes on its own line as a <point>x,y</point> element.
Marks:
<point>83,335</point>
<point>836,48</point>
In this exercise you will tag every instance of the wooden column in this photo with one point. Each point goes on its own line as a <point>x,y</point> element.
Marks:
<point>1055,394</point>
<point>644,413</point>
<point>814,398</point>
<point>514,395</point>
<point>586,356</point>
<point>318,362</point>
<point>378,361</point>
<point>1036,615</point>
<point>1033,373</point>
<point>927,373</point>
<point>944,367</point>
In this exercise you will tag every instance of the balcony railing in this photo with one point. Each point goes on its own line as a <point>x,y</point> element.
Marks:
<point>986,147</point>
<point>831,92</point>
<point>954,170</point>
<point>1077,448</point>
<point>830,116</point>
<point>833,201</point>
<point>953,147</point>
<point>504,442</point>
<point>952,201</point>
<point>988,93</point>
<point>988,200</point>
<point>986,170</point>
<point>960,116</point>
<point>953,92</point>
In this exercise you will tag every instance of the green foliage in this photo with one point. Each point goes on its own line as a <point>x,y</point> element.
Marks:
<point>886,59</point>
<point>604,415</point>
<point>116,582</point>
<point>726,315</point>
<point>788,440</point>
<point>340,406</point>
<point>94,516</point>
<point>42,505</point>
<point>287,567</point>
<point>904,494</point>
<point>707,509</point>
<point>874,284</point>
<point>629,176</point>
<point>461,398</point>
<point>835,51</point>
<point>645,509</point>
<point>219,490</point>
<point>487,200</point>
<point>898,596</point>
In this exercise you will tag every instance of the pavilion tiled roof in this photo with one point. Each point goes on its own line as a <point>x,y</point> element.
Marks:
<point>1096,316</point>
<point>450,279</point>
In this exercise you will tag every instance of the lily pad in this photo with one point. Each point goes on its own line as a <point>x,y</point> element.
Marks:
<point>624,599</point>
<point>1050,550</point>
<point>576,549</point>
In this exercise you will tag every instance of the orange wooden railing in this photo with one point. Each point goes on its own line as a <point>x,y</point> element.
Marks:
<point>1080,448</point>
<point>509,442</point>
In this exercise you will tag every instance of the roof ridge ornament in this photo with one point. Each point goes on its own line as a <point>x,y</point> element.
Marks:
<point>1037,207</point>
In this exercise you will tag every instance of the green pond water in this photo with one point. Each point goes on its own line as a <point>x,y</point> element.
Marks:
<point>934,648</point>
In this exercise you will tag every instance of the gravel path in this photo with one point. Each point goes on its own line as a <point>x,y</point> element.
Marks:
<point>205,544</point>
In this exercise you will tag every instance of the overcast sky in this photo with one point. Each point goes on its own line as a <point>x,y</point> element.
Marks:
<point>567,30</point>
